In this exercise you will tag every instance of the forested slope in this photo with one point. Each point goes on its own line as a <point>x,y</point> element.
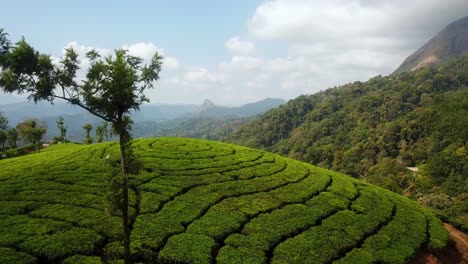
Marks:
<point>375,129</point>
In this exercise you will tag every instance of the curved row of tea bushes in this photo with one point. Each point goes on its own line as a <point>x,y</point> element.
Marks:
<point>197,201</point>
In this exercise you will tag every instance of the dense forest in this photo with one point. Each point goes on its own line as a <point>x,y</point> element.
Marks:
<point>212,128</point>
<point>374,130</point>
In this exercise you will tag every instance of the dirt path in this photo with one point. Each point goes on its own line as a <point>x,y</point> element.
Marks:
<point>461,242</point>
<point>455,253</point>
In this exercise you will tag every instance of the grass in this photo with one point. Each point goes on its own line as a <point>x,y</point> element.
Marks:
<point>198,201</point>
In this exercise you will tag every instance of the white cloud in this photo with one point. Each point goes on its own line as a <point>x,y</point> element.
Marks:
<point>143,50</point>
<point>340,20</point>
<point>146,51</point>
<point>326,43</point>
<point>170,63</point>
<point>236,46</point>
<point>82,49</point>
<point>355,33</point>
<point>202,75</point>
<point>239,64</point>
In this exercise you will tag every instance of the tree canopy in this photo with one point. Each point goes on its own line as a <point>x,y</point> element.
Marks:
<point>3,139</point>
<point>102,132</point>
<point>12,138</point>
<point>3,122</point>
<point>88,139</point>
<point>114,87</point>
<point>31,131</point>
<point>62,128</point>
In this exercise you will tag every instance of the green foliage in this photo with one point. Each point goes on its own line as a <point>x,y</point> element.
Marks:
<point>19,151</point>
<point>438,236</point>
<point>3,139</point>
<point>9,255</point>
<point>5,44</point>
<point>12,138</point>
<point>63,129</point>
<point>212,128</point>
<point>3,120</point>
<point>114,86</point>
<point>114,195</point>
<point>188,248</point>
<point>61,244</point>
<point>32,132</point>
<point>396,240</point>
<point>373,130</point>
<point>116,77</point>
<point>199,201</point>
<point>78,259</point>
<point>4,136</point>
<point>103,132</point>
<point>88,127</point>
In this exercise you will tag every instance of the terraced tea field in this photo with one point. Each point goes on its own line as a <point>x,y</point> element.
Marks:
<point>199,201</point>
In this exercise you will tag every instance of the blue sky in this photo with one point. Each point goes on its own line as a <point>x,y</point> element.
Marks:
<point>194,30</point>
<point>236,52</point>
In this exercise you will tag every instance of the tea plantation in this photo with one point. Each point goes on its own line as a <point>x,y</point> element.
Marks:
<point>199,201</point>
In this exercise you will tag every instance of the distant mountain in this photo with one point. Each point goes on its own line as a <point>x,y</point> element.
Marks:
<point>206,106</point>
<point>448,43</point>
<point>376,129</point>
<point>163,112</point>
<point>259,107</point>
<point>209,109</point>
<point>149,112</point>
<point>76,117</point>
<point>205,121</point>
<point>209,121</point>
<point>24,110</point>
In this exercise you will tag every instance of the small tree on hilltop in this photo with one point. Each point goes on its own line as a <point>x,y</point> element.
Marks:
<point>88,127</point>
<point>102,132</point>
<point>63,129</point>
<point>32,132</point>
<point>114,86</point>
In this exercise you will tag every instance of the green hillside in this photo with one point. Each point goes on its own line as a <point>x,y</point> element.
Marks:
<point>375,129</point>
<point>198,127</point>
<point>199,201</point>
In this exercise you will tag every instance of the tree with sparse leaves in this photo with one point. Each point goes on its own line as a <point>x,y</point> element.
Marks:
<point>88,139</point>
<point>102,132</point>
<point>63,129</point>
<point>114,86</point>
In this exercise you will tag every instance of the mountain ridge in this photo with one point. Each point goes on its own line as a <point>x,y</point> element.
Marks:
<point>205,121</point>
<point>450,42</point>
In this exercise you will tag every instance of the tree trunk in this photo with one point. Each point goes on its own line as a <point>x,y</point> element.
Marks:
<point>124,138</point>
